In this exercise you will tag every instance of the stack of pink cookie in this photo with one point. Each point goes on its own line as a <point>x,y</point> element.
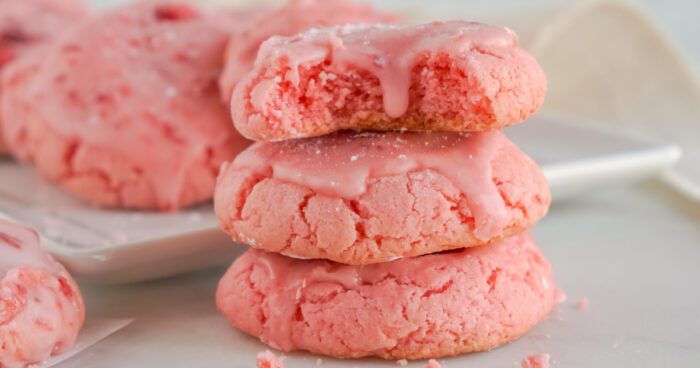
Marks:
<point>387,210</point>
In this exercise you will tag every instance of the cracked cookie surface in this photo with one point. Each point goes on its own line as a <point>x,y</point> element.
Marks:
<point>426,307</point>
<point>362,198</point>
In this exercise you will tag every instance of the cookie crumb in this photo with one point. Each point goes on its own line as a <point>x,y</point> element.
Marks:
<point>319,361</point>
<point>432,363</point>
<point>540,360</point>
<point>559,296</point>
<point>402,362</point>
<point>267,359</point>
<point>582,304</point>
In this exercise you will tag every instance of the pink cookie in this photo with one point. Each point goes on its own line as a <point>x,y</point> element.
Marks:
<point>426,307</point>
<point>25,24</point>
<point>293,17</point>
<point>41,309</point>
<point>124,110</point>
<point>361,198</point>
<point>454,76</point>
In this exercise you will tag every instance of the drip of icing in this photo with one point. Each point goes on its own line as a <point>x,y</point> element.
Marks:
<point>278,320</point>
<point>290,283</point>
<point>341,165</point>
<point>388,52</point>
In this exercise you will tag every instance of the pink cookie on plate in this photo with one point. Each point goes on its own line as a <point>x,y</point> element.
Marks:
<point>26,24</point>
<point>361,198</point>
<point>41,309</point>
<point>426,307</point>
<point>124,110</point>
<point>293,17</point>
<point>445,76</point>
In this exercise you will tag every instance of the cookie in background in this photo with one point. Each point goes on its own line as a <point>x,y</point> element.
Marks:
<point>25,25</point>
<point>287,19</point>
<point>124,110</point>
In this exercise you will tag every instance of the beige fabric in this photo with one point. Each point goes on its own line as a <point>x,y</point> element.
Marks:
<point>606,62</point>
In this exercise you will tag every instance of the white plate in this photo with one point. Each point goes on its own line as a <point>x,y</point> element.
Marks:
<point>122,246</point>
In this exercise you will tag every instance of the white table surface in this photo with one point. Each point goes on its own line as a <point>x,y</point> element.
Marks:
<point>634,252</point>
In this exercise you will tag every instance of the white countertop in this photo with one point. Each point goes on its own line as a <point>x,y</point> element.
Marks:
<point>633,252</point>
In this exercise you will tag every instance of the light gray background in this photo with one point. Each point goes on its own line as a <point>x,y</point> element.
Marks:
<point>679,18</point>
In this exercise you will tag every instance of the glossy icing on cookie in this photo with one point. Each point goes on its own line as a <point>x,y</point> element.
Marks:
<point>342,164</point>
<point>445,76</point>
<point>41,308</point>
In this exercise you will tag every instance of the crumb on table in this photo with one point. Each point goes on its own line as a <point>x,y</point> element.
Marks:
<point>559,296</point>
<point>267,359</point>
<point>540,360</point>
<point>582,303</point>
